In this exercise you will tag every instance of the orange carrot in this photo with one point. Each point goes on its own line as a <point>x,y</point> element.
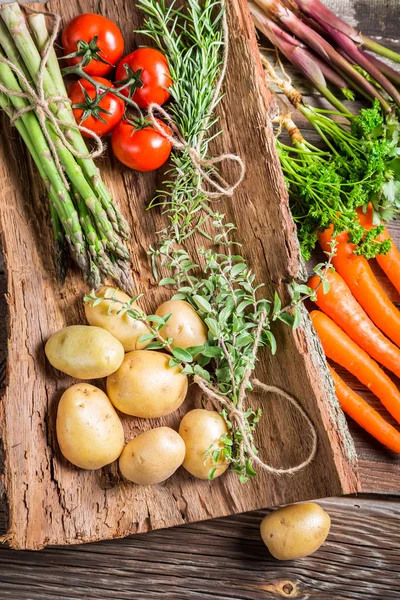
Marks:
<point>340,304</point>
<point>341,349</point>
<point>363,284</point>
<point>390,262</point>
<point>363,414</point>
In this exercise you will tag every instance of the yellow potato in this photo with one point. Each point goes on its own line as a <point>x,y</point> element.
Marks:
<point>146,386</point>
<point>295,531</point>
<point>152,456</point>
<point>122,327</point>
<point>184,326</point>
<point>200,429</point>
<point>84,352</point>
<point>89,432</point>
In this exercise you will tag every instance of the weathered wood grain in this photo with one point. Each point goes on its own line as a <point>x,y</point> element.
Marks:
<point>49,500</point>
<point>223,559</point>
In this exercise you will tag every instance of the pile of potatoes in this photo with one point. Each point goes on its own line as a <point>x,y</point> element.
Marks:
<point>139,383</point>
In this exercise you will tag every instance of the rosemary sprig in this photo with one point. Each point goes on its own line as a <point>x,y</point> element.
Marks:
<point>192,39</point>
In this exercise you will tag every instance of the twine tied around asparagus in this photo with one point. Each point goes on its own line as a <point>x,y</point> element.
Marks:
<point>236,413</point>
<point>42,104</point>
<point>216,182</point>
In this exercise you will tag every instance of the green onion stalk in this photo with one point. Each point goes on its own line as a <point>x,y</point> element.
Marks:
<point>95,234</point>
<point>314,69</point>
<point>328,20</point>
<point>287,19</point>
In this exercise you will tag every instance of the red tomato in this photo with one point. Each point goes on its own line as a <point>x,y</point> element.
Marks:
<point>142,149</point>
<point>100,116</point>
<point>101,54</point>
<point>155,76</point>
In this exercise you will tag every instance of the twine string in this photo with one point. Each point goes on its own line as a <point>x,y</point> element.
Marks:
<point>39,103</point>
<point>236,412</point>
<point>237,416</point>
<point>202,164</point>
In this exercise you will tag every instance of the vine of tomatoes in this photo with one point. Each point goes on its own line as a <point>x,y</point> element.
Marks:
<point>93,48</point>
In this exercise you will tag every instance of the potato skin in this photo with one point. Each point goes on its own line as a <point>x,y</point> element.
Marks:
<point>295,531</point>
<point>200,429</point>
<point>145,386</point>
<point>84,352</point>
<point>184,326</point>
<point>89,432</point>
<point>122,327</point>
<point>152,456</point>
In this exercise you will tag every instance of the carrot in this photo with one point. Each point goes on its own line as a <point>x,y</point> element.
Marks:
<point>341,349</point>
<point>363,284</point>
<point>340,304</point>
<point>390,262</point>
<point>363,414</point>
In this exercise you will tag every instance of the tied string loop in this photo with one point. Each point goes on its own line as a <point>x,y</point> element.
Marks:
<point>202,164</point>
<point>41,104</point>
<point>237,416</point>
<point>214,179</point>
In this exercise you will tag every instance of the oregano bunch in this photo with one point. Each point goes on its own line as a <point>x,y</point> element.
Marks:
<point>218,284</point>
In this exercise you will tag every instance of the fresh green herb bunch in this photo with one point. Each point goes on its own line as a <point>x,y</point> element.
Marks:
<point>225,296</point>
<point>192,40</point>
<point>366,156</point>
<point>326,187</point>
<point>380,133</point>
<point>316,194</point>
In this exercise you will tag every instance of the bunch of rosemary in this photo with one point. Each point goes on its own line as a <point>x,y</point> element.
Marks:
<point>192,40</point>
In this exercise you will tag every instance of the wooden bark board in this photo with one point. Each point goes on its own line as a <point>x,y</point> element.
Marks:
<point>51,502</point>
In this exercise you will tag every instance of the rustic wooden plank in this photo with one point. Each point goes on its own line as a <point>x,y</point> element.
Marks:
<point>222,559</point>
<point>51,502</point>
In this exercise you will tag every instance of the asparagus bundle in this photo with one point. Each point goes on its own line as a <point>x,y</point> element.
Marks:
<point>84,217</point>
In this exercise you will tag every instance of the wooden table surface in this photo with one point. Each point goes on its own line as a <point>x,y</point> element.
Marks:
<point>226,559</point>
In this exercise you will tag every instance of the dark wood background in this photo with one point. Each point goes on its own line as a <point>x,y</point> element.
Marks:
<point>225,558</point>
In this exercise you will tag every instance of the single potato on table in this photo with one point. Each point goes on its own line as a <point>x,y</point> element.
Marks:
<point>152,456</point>
<point>184,326</point>
<point>146,386</point>
<point>84,352</point>
<point>123,327</point>
<point>295,531</point>
<point>201,429</point>
<point>89,432</point>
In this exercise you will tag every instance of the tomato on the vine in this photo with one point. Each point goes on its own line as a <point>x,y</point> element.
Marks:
<point>99,112</point>
<point>93,40</point>
<point>140,146</point>
<point>152,71</point>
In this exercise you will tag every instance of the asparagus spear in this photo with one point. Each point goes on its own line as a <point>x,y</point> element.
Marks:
<point>61,197</point>
<point>61,255</point>
<point>14,19</point>
<point>38,26</point>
